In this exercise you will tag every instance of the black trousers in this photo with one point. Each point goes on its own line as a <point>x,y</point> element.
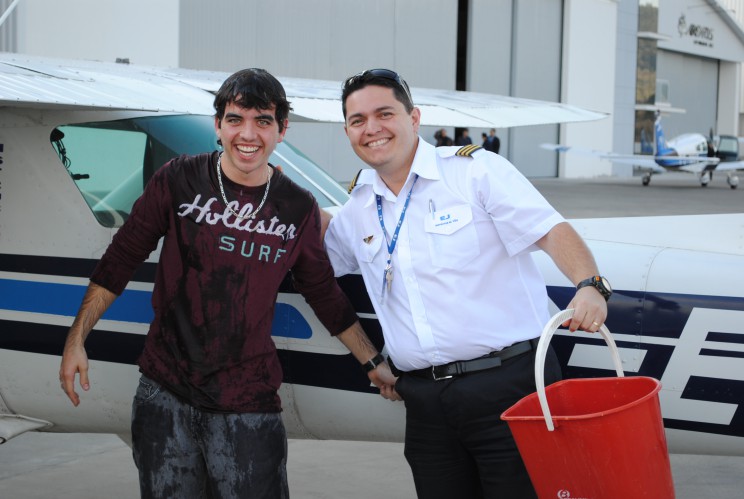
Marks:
<point>456,444</point>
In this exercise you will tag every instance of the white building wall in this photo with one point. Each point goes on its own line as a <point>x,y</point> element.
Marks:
<point>729,104</point>
<point>331,39</point>
<point>489,46</point>
<point>515,49</point>
<point>326,39</point>
<point>535,74</point>
<point>490,55</point>
<point>589,45</point>
<point>736,9</point>
<point>626,62</point>
<point>144,31</point>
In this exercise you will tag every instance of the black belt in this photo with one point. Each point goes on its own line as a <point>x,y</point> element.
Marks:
<point>458,368</point>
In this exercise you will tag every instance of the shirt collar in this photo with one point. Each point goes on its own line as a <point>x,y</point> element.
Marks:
<point>424,164</point>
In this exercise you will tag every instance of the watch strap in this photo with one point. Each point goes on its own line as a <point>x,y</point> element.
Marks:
<point>373,363</point>
<point>596,282</point>
<point>586,282</point>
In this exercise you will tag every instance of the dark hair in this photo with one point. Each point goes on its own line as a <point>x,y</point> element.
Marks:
<point>381,78</point>
<point>253,89</point>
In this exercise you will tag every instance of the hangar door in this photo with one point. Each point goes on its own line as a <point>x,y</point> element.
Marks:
<point>692,84</point>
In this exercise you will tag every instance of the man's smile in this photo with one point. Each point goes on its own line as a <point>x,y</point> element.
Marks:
<point>247,149</point>
<point>378,142</point>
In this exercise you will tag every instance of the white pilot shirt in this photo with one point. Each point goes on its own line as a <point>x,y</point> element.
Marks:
<point>464,282</point>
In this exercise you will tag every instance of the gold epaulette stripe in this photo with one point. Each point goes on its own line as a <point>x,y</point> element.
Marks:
<point>467,150</point>
<point>354,181</point>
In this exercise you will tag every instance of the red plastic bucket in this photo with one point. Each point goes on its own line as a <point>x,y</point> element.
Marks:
<point>600,438</point>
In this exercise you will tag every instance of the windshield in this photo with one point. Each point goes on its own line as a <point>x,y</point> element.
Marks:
<point>111,161</point>
<point>728,144</point>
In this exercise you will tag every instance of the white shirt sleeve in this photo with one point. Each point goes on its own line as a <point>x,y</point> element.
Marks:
<point>520,213</point>
<point>337,245</point>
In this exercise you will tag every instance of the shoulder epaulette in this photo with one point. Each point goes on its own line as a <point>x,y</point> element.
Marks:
<point>467,150</point>
<point>354,181</point>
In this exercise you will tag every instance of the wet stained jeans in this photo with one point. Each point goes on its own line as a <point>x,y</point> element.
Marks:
<point>182,452</point>
<point>456,444</point>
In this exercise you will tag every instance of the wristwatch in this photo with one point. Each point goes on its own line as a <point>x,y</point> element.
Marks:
<point>373,363</point>
<point>599,282</point>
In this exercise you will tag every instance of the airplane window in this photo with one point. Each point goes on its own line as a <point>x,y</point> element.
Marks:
<point>309,175</point>
<point>728,144</point>
<point>111,161</point>
<point>109,182</point>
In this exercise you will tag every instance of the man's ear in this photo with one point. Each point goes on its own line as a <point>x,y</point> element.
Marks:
<point>416,117</point>
<point>284,131</point>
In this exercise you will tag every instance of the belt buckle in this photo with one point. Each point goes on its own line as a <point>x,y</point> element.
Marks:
<point>436,378</point>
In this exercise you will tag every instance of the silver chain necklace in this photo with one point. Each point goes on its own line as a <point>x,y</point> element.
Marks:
<point>252,214</point>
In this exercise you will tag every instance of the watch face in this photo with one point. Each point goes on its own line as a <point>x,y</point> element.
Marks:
<point>606,284</point>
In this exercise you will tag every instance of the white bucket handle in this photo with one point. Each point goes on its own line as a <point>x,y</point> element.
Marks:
<point>542,349</point>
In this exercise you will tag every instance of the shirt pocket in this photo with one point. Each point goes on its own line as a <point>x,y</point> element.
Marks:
<point>452,238</point>
<point>369,247</point>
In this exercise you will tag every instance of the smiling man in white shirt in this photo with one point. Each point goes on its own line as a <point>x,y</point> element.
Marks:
<point>442,237</point>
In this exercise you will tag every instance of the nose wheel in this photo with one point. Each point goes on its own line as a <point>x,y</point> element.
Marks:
<point>705,179</point>
<point>732,180</point>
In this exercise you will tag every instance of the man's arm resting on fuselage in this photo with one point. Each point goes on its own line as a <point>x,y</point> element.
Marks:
<point>74,358</point>
<point>573,257</point>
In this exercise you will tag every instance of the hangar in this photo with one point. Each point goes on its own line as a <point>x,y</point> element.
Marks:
<point>622,57</point>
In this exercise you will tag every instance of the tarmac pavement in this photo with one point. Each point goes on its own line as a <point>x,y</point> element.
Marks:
<point>668,194</point>
<point>92,466</point>
<point>39,465</point>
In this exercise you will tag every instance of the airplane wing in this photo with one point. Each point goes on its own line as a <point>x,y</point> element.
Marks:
<point>692,164</point>
<point>643,161</point>
<point>45,82</point>
<point>730,166</point>
<point>41,82</point>
<point>319,100</point>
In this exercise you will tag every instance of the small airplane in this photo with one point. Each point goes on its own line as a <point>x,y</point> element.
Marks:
<point>78,141</point>
<point>689,152</point>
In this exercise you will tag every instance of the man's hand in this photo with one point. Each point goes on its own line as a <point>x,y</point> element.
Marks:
<point>383,378</point>
<point>74,361</point>
<point>590,310</point>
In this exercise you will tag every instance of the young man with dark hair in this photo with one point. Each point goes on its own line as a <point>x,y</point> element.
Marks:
<point>442,238</point>
<point>206,417</point>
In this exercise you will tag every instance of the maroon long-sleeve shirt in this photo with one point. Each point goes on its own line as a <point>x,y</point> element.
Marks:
<point>217,281</point>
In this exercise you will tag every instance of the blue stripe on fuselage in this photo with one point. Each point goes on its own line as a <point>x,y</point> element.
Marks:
<point>65,299</point>
<point>131,306</point>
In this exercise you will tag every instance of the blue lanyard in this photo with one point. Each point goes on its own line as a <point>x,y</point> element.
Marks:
<point>387,275</point>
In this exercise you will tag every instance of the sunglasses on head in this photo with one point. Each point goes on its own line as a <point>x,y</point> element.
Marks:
<point>381,73</point>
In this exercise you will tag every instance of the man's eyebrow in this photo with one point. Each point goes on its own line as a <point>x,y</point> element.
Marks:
<point>377,110</point>
<point>267,116</point>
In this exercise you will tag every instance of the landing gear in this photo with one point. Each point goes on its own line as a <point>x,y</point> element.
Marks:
<point>705,179</point>
<point>732,180</point>
<point>646,179</point>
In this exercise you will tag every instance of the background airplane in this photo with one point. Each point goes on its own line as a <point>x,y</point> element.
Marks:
<point>79,140</point>
<point>689,152</point>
